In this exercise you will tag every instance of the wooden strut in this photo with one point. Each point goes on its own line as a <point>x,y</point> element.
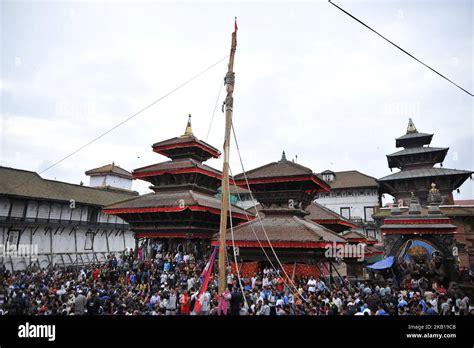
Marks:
<point>229,101</point>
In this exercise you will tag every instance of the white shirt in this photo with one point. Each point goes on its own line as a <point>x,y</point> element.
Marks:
<point>311,285</point>
<point>254,280</point>
<point>265,310</point>
<point>154,299</point>
<point>434,304</point>
<point>191,282</point>
<point>338,302</point>
<point>205,301</point>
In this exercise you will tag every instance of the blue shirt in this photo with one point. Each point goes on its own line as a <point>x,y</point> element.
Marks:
<point>167,266</point>
<point>423,304</point>
<point>402,303</point>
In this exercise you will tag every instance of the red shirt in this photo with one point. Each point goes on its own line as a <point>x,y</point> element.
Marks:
<point>280,284</point>
<point>185,304</point>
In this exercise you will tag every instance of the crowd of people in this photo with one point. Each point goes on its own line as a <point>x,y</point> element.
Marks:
<point>166,283</point>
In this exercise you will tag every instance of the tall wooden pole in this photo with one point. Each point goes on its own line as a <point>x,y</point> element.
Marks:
<point>229,101</point>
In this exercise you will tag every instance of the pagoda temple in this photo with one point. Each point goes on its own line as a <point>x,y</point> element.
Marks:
<point>284,189</point>
<point>183,206</point>
<point>417,172</point>
<point>422,240</point>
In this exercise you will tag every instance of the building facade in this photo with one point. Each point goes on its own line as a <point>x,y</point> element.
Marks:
<point>47,222</point>
<point>354,196</point>
<point>110,175</point>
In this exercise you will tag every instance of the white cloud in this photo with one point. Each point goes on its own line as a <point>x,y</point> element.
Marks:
<point>309,80</point>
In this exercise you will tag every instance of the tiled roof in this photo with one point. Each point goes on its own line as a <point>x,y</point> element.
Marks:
<point>176,164</point>
<point>284,228</point>
<point>413,139</point>
<point>110,169</point>
<point>414,136</point>
<point>417,150</point>
<point>357,235</point>
<point>185,139</point>
<point>319,212</point>
<point>23,183</point>
<point>276,169</point>
<point>236,190</point>
<point>172,199</point>
<point>424,172</point>
<point>352,179</point>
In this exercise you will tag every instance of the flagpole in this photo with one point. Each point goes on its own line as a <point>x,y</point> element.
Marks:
<point>229,101</point>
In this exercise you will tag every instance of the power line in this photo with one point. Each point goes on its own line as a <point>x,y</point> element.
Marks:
<point>134,115</point>
<point>214,112</point>
<point>401,49</point>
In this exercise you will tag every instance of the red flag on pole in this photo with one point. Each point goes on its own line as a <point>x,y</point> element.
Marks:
<point>207,275</point>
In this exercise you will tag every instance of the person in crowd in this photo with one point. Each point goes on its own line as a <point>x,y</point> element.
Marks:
<point>160,281</point>
<point>80,303</point>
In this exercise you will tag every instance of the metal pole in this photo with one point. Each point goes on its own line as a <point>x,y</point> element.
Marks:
<point>229,82</point>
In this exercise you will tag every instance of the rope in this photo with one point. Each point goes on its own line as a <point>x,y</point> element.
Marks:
<point>295,293</point>
<point>233,250</point>
<point>253,230</point>
<point>259,218</point>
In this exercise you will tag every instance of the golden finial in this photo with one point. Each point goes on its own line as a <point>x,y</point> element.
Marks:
<point>189,128</point>
<point>411,127</point>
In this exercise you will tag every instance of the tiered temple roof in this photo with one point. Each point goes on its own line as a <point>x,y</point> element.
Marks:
<point>183,204</point>
<point>416,163</point>
<point>284,189</point>
<point>186,146</point>
<point>278,182</point>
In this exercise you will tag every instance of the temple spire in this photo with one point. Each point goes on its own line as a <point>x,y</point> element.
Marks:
<point>189,128</point>
<point>283,157</point>
<point>411,127</point>
<point>414,207</point>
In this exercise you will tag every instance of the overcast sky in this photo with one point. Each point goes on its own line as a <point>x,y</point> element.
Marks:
<point>309,80</point>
